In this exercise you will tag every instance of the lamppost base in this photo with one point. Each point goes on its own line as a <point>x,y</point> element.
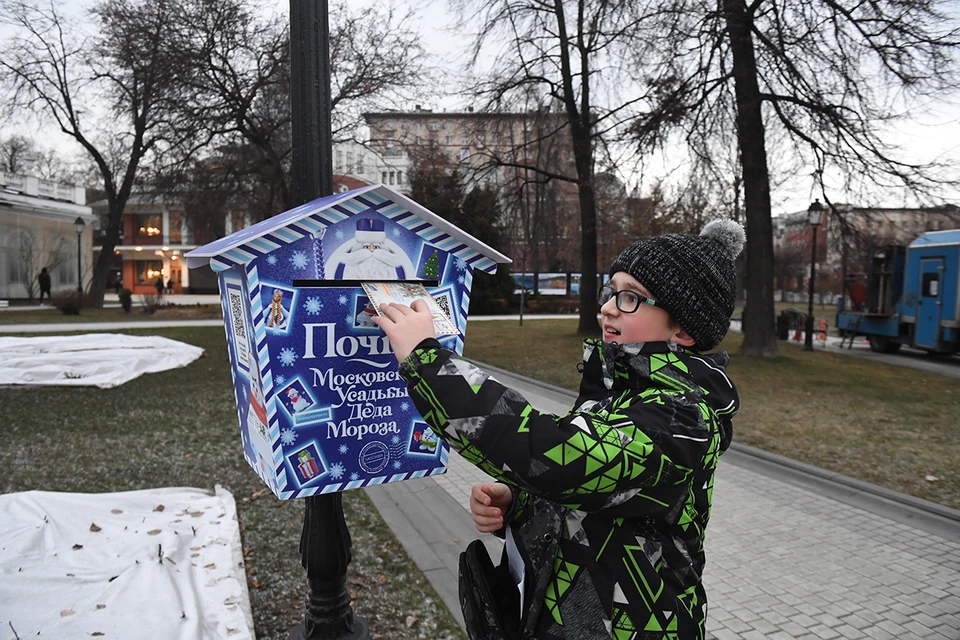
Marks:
<point>359,632</point>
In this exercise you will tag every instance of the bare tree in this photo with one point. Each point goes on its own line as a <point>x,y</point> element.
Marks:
<point>36,250</point>
<point>824,77</point>
<point>239,83</point>
<point>576,55</point>
<point>127,68</point>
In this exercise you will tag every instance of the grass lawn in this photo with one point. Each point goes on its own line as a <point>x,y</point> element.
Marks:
<point>179,428</point>
<point>888,425</point>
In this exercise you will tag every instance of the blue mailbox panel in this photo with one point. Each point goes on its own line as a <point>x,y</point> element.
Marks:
<point>320,404</point>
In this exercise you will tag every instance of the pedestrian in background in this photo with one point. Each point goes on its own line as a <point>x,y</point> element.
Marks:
<point>159,286</point>
<point>44,280</point>
<point>603,510</point>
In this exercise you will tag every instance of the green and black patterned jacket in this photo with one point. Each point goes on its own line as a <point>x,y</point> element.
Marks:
<point>610,501</point>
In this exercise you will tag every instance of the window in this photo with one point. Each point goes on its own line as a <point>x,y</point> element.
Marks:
<point>404,126</point>
<point>349,162</point>
<point>399,177</point>
<point>392,175</point>
<point>147,271</point>
<point>359,163</point>
<point>465,140</point>
<point>339,160</point>
<point>418,126</point>
<point>464,154</point>
<point>449,139</point>
<point>148,225</point>
<point>419,140</point>
<point>176,232</point>
<point>383,177</point>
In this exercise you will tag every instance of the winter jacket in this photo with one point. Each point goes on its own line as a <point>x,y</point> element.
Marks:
<point>610,501</point>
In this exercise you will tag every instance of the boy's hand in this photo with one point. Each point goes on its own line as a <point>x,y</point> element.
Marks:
<point>488,503</point>
<point>406,327</point>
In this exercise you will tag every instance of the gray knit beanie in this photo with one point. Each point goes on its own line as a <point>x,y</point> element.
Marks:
<point>693,278</point>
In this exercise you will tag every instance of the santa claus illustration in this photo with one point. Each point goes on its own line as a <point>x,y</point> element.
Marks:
<point>297,400</point>
<point>370,256</point>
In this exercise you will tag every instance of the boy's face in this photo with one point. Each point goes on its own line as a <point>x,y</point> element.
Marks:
<point>649,323</point>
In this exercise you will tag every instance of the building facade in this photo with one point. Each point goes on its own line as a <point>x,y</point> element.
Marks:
<point>491,149</point>
<point>846,241</point>
<point>37,230</point>
<point>153,238</point>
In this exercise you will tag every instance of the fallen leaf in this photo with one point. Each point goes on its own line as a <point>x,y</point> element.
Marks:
<point>116,511</point>
<point>230,631</point>
<point>212,565</point>
<point>410,621</point>
<point>98,633</point>
<point>170,560</point>
<point>66,612</point>
<point>456,539</point>
<point>94,527</point>
<point>159,507</point>
<point>256,583</point>
<point>101,606</point>
<point>195,548</point>
<point>186,455</point>
<point>78,546</point>
<point>113,578</point>
<point>931,478</point>
<point>154,532</point>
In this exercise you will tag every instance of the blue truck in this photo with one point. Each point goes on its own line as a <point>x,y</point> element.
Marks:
<point>911,297</point>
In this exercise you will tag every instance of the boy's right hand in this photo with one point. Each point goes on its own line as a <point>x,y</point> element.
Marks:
<point>488,503</point>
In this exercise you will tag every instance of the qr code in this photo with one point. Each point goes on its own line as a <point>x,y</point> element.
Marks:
<point>443,301</point>
<point>236,312</point>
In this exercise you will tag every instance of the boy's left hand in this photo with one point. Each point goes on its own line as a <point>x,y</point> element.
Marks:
<point>406,327</point>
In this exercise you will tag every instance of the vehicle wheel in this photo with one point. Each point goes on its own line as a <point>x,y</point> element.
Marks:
<point>882,344</point>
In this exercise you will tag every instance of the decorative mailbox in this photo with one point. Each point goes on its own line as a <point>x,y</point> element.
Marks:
<point>320,403</point>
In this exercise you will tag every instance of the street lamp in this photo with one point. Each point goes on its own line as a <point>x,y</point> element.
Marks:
<point>79,224</point>
<point>815,219</point>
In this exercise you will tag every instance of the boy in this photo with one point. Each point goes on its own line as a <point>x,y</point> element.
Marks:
<point>606,506</point>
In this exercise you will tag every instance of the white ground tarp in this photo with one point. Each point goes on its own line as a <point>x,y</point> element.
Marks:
<point>155,564</point>
<point>95,359</point>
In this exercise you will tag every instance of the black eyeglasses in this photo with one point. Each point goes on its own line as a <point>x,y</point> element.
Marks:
<point>627,301</point>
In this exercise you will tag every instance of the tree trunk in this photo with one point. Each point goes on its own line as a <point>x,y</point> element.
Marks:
<point>759,338</point>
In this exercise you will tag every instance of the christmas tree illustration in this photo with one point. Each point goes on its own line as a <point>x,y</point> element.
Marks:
<point>432,268</point>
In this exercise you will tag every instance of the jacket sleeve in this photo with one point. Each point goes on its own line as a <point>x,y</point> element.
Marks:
<point>627,460</point>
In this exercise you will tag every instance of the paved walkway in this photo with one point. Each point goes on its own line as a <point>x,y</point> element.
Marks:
<point>792,551</point>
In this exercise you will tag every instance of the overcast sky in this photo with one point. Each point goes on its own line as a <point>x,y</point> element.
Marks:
<point>933,136</point>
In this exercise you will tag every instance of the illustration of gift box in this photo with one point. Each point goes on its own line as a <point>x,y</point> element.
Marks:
<point>307,365</point>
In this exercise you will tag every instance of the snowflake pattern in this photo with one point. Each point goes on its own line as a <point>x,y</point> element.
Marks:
<point>354,476</point>
<point>396,232</point>
<point>313,305</point>
<point>397,465</point>
<point>460,279</point>
<point>460,264</point>
<point>299,259</point>
<point>339,234</point>
<point>343,449</point>
<point>349,319</point>
<point>404,405</point>
<point>271,260</point>
<point>280,379</point>
<point>287,356</point>
<point>342,299</point>
<point>336,470</point>
<point>288,437</point>
<point>395,439</point>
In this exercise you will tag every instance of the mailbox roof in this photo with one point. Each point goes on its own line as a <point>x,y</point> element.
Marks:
<point>244,245</point>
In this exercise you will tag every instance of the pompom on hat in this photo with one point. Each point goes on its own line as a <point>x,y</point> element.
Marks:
<point>693,278</point>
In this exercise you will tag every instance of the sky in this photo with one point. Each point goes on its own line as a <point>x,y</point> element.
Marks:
<point>935,135</point>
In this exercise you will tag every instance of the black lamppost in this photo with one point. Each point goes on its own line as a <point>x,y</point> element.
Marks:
<point>79,224</point>
<point>814,218</point>
<point>324,541</point>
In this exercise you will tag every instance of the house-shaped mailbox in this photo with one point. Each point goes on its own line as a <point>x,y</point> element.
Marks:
<point>320,403</point>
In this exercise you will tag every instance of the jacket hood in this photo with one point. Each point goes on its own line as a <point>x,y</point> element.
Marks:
<point>664,365</point>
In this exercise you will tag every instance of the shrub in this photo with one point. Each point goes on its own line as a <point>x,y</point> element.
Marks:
<point>126,299</point>
<point>150,303</point>
<point>553,305</point>
<point>69,302</point>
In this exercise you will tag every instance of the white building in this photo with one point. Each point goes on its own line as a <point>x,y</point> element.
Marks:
<point>38,221</point>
